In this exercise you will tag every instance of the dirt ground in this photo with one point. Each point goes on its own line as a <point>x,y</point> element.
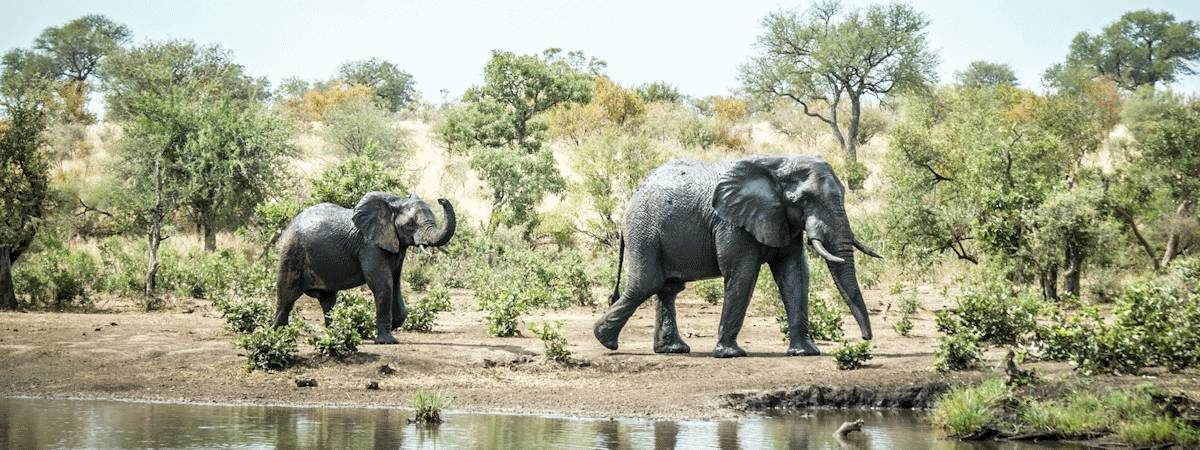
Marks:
<point>184,354</point>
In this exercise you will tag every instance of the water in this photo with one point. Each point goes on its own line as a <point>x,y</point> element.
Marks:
<point>38,423</point>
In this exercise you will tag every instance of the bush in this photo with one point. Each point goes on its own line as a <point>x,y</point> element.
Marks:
<point>852,356</point>
<point>551,335</point>
<point>428,406</point>
<point>711,291</point>
<point>418,278</point>
<point>855,175</point>
<point>339,340</point>
<point>903,326</point>
<point>123,266</point>
<point>423,313</point>
<point>57,277</point>
<point>356,312</point>
<point>503,303</point>
<point>825,317</point>
<point>245,316</point>
<point>999,315</point>
<point>270,348</point>
<point>200,274</point>
<point>346,183</point>
<point>958,351</point>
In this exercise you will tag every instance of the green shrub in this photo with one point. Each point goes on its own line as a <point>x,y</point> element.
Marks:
<point>418,278</point>
<point>428,406</point>
<point>122,266</point>
<point>551,335</point>
<point>271,348</point>
<point>711,291</point>
<point>999,315</point>
<point>339,340</point>
<point>825,317</point>
<point>244,316</point>
<point>855,175</point>
<point>56,277</point>
<point>908,304</point>
<point>423,313</point>
<point>356,312</point>
<point>969,411</point>
<point>502,302</point>
<point>958,351</point>
<point>903,326</point>
<point>346,183</point>
<point>852,356</point>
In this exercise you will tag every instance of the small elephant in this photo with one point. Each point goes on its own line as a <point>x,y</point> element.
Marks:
<point>692,220</point>
<point>328,248</point>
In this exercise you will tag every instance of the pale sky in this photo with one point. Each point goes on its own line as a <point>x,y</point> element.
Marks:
<point>695,45</point>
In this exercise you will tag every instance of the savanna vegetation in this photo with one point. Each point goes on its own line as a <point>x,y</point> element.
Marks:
<point>1056,217</point>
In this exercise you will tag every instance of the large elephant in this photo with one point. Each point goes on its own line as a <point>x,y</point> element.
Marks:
<point>328,248</point>
<point>692,220</point>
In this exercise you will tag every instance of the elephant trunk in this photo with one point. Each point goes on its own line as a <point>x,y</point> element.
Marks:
<point>846,279</point>
<point>431,235</point>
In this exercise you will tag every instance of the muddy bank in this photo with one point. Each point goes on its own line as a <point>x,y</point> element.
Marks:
<point>915,396</point>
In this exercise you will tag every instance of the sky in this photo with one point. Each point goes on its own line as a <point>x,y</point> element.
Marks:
<point>696,45</point>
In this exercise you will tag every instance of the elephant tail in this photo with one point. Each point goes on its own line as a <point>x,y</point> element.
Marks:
<point>620,262</point>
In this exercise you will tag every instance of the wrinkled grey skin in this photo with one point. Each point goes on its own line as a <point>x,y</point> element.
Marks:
<point>328,248</point>
<point>692,220</point>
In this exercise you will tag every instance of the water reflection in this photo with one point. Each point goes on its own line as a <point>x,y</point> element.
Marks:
<point>33,423</point>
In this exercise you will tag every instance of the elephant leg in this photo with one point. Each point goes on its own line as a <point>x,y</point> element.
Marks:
<point>640,287</point>
<point>666,329</point>
<point>791,275</point>
<point>739,285</point>
<point>327,300</point>
<point>382,289</point>
<point>399,310</point>
<point>285,299</point>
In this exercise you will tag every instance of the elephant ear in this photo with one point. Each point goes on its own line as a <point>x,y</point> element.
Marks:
<point>748,196</point>
<point>373,218</point>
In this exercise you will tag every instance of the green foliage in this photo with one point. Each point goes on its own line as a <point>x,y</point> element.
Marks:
<point>989,306</point>
<point>394,88</point>
<point>339,340</point>
<point>610,165</point>
<point>825,317</point>
<point>270,217</point>
<point>421,315</point>
<point>123,265</point>
<point>360,128</point>
<point>711,291</point>
<point>985,74</point>
<point>968,411</point>
<point>550,333</point>
<point>1142,47</point>
<point>659,91</point>
<point>502,304</point>
<point>78,46</point>
<point>418,278</point>
<point>56,277</point>
<point>345,183</point>
<point>355,312</point>
<point>270,348</point>
<point>903,326</point>
<point>840,45</point>
<point>852,356</point>
<point>518,179</point>
<point>854,174</point>
<point>957,351</point>
<point>244,316</point>
<point>428,405</point>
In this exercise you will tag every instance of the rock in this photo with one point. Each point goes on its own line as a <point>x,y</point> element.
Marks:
<point>847,428</point>
<point>373,386</point>
<point>387,369</point>
<point>97,329</point>
<point>113,324</point>
<point>306,382</point>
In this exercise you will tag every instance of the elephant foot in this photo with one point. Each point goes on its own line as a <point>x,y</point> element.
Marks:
<point>804,348</point>
<point>728,351</point>
<point>606,337</point>
<point>675,346</point>
<point>385,338</point>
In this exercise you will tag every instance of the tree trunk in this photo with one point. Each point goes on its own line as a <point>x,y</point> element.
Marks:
<point>155,232</point>
<point>8,298</point>
<point>1074,270</point>
<point>1049,281</point>
<point>1129,222</point>
<point>852,131</point>
<point>1185,209</point>
<point>210,236</point>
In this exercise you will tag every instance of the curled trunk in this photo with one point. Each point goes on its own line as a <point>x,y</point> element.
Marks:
<point>432,235</point>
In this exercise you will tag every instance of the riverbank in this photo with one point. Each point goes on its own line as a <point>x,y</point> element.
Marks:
<point>185,355</point>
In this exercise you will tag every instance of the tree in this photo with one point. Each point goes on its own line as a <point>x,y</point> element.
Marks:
<point>24,166</point>
<point>1142,47</point>
<point>496,126</point>
<point>1170,145</point>
<point>981,73</point>
<point>823,57</point>
<point>149,72</point>
<point>345,183</point>
<point>610,165</point>
<point>659,91</point>
<point>362,129</point>
<point>76,49</point>
<point>394,88</point>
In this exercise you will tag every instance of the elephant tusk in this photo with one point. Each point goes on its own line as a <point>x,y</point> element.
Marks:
<point>820,248</point>
<point>868,250</point>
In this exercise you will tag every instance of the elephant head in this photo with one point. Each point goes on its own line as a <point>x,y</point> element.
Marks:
<point>777,199</point>
<point>393,223</point>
